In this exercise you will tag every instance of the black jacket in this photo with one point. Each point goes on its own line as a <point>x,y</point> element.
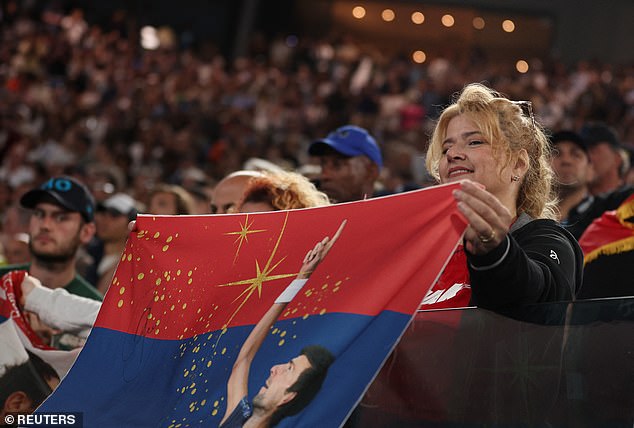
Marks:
<point>538,262</point>
<point>582,214</point>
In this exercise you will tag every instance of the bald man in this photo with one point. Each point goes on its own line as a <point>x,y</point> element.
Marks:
<point>229,191</point>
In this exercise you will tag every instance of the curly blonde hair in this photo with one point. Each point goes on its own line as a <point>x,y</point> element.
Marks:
<point>503,123</point>
<point>283,191</point>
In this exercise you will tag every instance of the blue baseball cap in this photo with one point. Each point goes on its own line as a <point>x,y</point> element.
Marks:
<point>65,192</point>
<point>350,141</point>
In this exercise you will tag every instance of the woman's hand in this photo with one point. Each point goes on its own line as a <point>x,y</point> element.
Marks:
<point>489,220</point>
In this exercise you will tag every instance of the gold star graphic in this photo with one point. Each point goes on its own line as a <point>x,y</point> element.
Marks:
<point>261,276</point>
<point>243,235</point>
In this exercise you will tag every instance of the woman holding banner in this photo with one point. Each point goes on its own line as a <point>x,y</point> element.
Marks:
<point>513,251</point>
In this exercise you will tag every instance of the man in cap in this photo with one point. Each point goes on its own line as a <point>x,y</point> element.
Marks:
<point>112,218</point>
<point>574,172</point>
<point>572,167</point>
<point>350,163</point>
<point>608,157</point>
<point>62,220</point>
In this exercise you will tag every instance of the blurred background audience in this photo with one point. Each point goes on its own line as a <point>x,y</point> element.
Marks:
<point>163,124</point>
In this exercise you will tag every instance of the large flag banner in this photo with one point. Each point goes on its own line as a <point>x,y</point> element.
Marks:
<point>210,312</point>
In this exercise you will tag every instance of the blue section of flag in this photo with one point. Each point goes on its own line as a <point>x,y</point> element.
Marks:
<point>123,380</point>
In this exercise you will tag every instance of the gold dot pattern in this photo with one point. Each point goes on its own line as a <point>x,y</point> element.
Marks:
<point>163,295</point>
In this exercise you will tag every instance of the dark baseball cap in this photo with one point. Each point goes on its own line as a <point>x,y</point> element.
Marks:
<point>596,133</point>
<point>569,136</point>
<point>350,141</point>
<point>64,191</point>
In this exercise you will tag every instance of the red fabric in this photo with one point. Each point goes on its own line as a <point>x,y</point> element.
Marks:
<point>452,290</point>
<point>605,230</point>
<point>185,275</point>
<point>9,308</point>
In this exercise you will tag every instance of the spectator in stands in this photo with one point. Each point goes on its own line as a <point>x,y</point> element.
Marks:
<point>170,199</point>
<point>514,252</point>
<point>201,197</point>
<point>207,114</point>
<point>608,157</point>
<point>350,162</point>
<point>62,220</point>
<point>229,190</point>
<point>574,171</point>
<point>281,190</point>
<point>113,216</point>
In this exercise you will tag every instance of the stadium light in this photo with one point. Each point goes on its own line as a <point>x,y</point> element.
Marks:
<point>418,18</point>
<point>358,12</point>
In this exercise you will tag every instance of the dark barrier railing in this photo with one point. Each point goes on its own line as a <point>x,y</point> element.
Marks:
<point>554,365</point>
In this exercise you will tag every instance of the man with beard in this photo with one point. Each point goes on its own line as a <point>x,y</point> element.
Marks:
<point>62,219</point>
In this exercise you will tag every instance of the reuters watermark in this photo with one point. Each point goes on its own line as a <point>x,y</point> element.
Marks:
<point>45,420</point>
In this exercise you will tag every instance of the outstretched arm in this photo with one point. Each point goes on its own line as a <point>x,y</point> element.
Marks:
<point>237,386</point>
<point>58,308</point>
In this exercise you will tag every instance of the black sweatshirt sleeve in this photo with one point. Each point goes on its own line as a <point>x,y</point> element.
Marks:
<point>540,262</point>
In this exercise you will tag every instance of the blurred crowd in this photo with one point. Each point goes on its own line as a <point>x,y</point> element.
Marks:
<point>97,127</point>
<point>89,101</point>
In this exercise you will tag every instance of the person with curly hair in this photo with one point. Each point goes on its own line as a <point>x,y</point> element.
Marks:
<point>280,190</point>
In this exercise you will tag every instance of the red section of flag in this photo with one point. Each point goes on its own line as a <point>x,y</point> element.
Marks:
<point>187,275</point>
